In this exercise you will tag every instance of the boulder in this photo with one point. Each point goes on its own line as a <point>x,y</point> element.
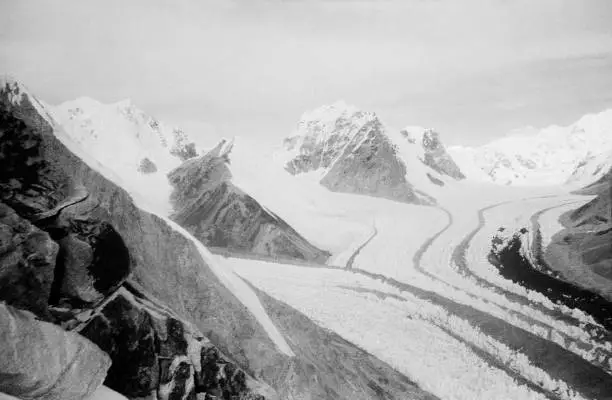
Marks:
<point>39,360</point>
<point>93,258</point>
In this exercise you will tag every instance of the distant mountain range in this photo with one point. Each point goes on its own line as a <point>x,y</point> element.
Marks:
<point>576,154</point>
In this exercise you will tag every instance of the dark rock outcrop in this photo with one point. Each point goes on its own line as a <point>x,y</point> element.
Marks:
<point>147,166</point>
<point>436,156</point>
<point>183,148</point>
<point>27,263</point>
<point>93,259</point>
<point>222,215</point>
<point>157,354</point>
<point>512,257</point>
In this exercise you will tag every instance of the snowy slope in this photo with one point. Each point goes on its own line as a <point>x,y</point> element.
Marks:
<point>577,154</point>
<point>135,135</point>
<point>127,141</point>
<point>591,168</point>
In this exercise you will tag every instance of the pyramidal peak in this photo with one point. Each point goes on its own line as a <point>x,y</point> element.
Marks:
<point>223,148</point>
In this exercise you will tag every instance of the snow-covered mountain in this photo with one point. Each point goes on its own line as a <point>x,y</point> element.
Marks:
<point>132,144</point>
<point>353,151</point>
<point>121,135</point>
<point>578,154</point>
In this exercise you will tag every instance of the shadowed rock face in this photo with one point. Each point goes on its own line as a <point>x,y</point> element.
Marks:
<point>147,166</point>
<point>27,263</point>
<point>221,215</point>
<point>587,239</point>
<point>437,158</point>
<point>369,165</point>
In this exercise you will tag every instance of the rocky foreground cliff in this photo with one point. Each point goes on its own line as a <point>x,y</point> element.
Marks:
<point>77,252</point>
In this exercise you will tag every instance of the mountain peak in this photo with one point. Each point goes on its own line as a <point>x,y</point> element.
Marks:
<point>549,156</point>
<point>223,148</point>
<point>329,112</point>
<point>82,103</point>
<point>8,80</point>
<point>12,87</point>
<point>122,135</point>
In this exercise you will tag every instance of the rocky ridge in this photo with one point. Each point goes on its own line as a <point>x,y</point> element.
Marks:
<point>221,215</point>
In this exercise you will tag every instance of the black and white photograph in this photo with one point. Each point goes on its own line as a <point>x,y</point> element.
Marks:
<point>306,199</point>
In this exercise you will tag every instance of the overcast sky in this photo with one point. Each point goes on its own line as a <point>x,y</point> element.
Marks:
<point>472,69</point>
